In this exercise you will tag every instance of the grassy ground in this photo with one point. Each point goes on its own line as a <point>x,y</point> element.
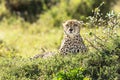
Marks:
<point>26,40</point>
<point>28,44</point>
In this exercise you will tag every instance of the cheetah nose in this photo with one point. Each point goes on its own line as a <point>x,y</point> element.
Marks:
<point>70,30</point>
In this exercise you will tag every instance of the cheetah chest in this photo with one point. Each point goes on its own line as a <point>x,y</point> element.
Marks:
<point>72,45</point>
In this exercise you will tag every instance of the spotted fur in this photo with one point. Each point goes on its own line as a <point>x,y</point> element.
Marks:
<point>72,42</point>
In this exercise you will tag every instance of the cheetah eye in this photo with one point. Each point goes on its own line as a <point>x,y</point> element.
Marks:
<point>67,25</point>
<point>75,24</point>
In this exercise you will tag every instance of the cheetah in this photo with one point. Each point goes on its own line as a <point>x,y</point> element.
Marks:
<point>72,41</point>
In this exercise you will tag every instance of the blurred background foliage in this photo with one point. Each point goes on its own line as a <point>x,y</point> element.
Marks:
<point>55,10</point>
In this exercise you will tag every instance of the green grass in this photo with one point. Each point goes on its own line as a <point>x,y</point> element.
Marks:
<point>29,44</point>
<point>22,42</point>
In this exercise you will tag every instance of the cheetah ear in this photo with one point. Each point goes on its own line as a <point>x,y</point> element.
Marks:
<point>80,22</point>
<point>63,24</point>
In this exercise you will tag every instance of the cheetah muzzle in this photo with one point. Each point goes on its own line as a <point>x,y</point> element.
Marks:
<point>72,42</point>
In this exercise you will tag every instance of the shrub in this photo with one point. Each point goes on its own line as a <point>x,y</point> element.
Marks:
<point>103,63</point>
<point>75,74</point>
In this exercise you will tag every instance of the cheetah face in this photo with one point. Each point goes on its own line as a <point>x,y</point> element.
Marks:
<point>72,27</point>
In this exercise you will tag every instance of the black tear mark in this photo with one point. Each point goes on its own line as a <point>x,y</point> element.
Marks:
<point>78,50</point>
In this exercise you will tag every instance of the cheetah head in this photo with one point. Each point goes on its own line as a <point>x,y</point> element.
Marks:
<point>72,27</point>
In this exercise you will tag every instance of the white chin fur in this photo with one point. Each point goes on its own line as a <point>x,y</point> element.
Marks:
<point>71,34</point>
